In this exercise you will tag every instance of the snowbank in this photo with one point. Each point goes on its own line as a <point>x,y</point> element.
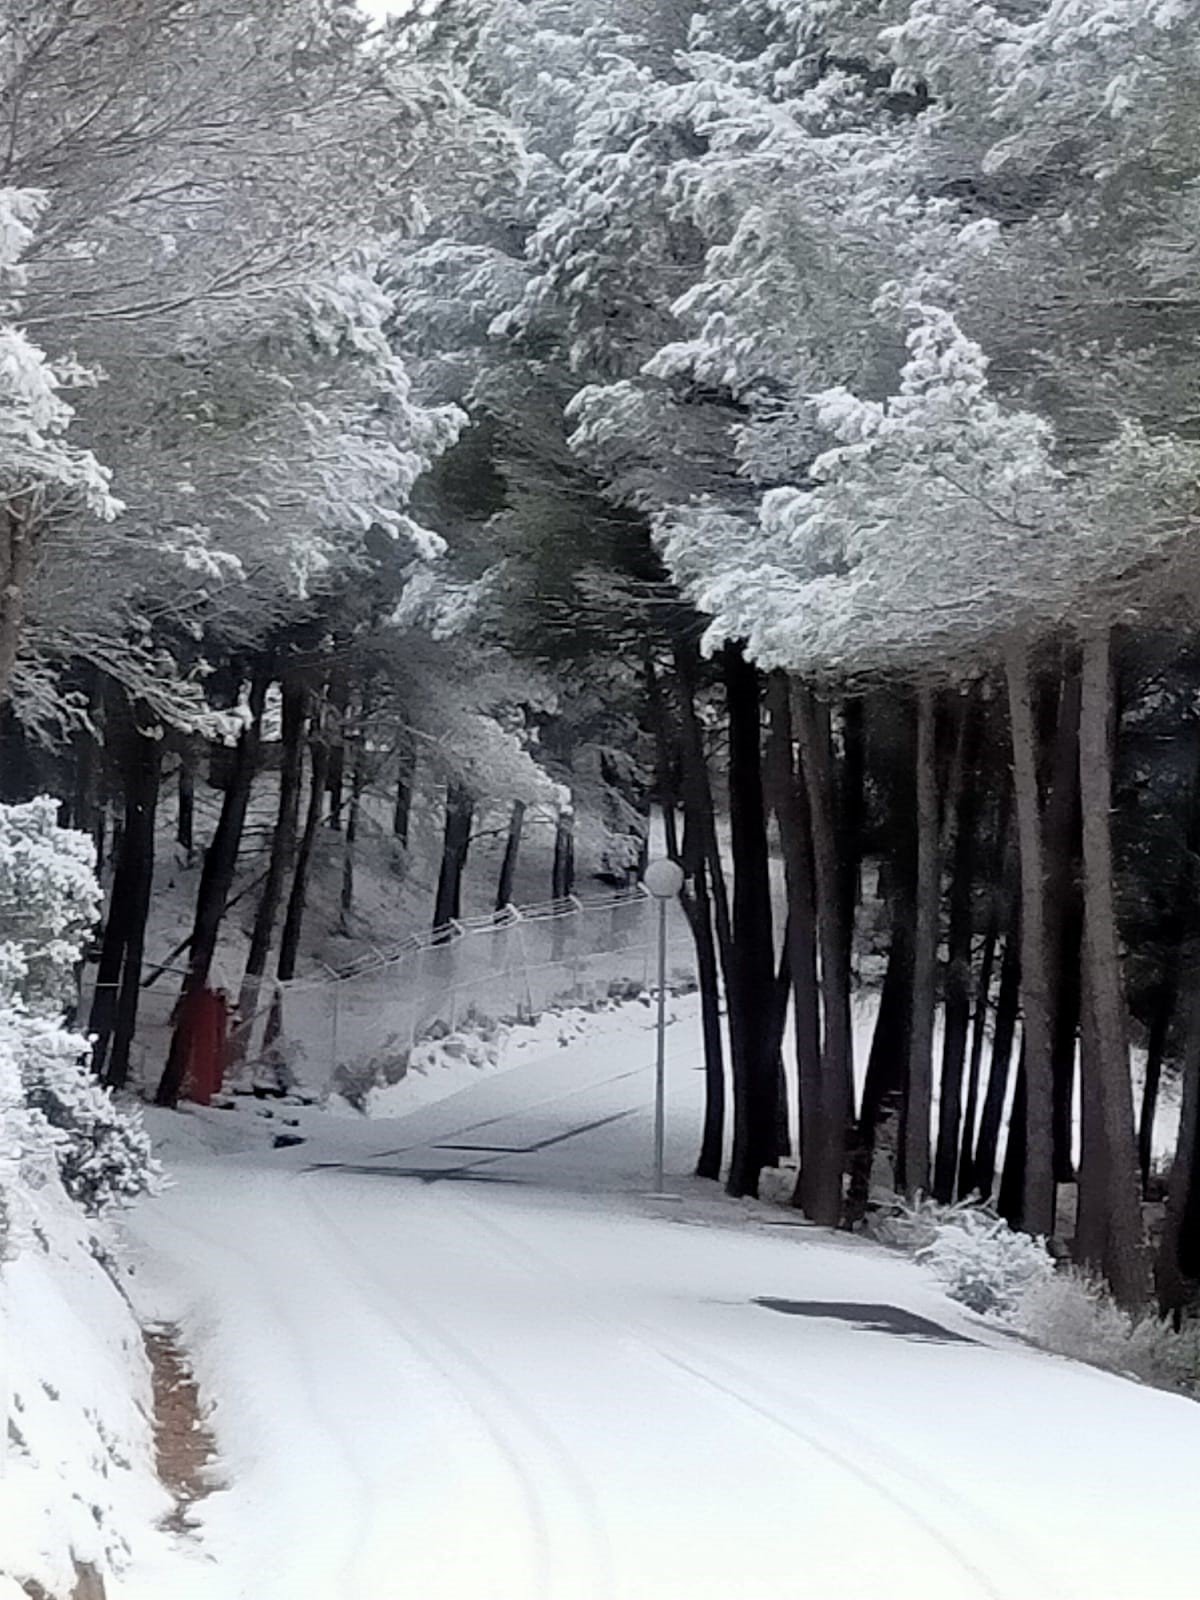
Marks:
<point>80,1488</point>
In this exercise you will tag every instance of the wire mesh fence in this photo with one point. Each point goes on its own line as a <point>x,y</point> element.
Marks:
<point>359,1026</point>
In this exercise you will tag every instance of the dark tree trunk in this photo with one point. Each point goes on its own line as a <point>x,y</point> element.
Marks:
<point>216,881</point>
<point>293,922</point>
<point>958,961</point>
<point>358,783</point>
<point>137,886</point>
<point>512,849</point>
<point>1178,935</point>
<point>795,835</point>
<point>1010,1200</point>
<point>1125,1263</point>
<point>1091,1198</point>
<point>406,773</point>
<point>836,1098</point>
<point>280,863</point>
<point>706,905</point>
<point>1003,1035</point>
<point>563,879</point>
<point>983,997</point>
<point>755,1066</point>
<point>852,812</point>
<point>1177,1267</point>
<point>697,907</point>
<point>456,842</point>
<point>339,710</point>
<point>697,904</point>
<point>185,816</point>
<point>887,1061</point>
<point>1064,916</point>
<point>925,947</point>
<point>128,899</point>
<point>1037,1130</point>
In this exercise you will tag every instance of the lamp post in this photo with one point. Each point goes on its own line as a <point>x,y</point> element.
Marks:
<point>663,879</point>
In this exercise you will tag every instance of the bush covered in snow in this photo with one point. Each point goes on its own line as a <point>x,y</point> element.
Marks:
<point>51,1106</point>
<point>1074,1315</point>
<point>1000,1273</point>
<point>978,1257</point>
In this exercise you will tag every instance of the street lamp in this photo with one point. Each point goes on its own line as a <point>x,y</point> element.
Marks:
<point>663,879</point>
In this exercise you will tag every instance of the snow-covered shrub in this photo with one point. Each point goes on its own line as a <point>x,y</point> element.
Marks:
<point>50,1103</point>
<point>103,1151</point>
<point>49,901</point>
<point>1074,1315</point>
<point>980,1259</point>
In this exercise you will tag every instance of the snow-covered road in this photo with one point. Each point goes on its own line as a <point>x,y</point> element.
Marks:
<point>459,1355</point>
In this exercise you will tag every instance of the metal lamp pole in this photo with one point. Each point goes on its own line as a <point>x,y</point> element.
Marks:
<point>663,879</point>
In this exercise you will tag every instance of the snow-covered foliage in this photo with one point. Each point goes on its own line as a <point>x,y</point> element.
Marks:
<point>1075,1315</point>
<point>1012,1278</point>
<point>979,1258</point>
<point>854,303</point>
<point>53,1107</point>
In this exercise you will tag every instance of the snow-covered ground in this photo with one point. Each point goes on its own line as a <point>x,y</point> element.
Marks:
<point>460,1353</point>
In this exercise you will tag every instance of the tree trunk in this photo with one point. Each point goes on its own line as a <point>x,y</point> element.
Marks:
<point>755,1066</point>
<point>282,857</point>
<point>460,813</point>
<point>512,848</point>
<point>1037,1134</point>
<point>957,1006</point>
<point>1179,936</point>
<point>707,908</point>
<point>836,1096</point>
<point>925,948</point>
<point>795,836</point>
<point>339,708</point>
<point>293,922</point>
<point>358,783</point>
<point>17,548</point>
<point>852,811</point>
<point>129,895</point>
<point>138,884</point>
<point>406,772</point>
<point>216,881</point>
<point>983,995</point>
<point>698,908</point>
<point>563,877</point>
<point>1003,1037</point>
<point>185,817</point>
<point>1091,1195</point>
<point>1064,916</point>
<point>1177,1266</point>
<point>1126,1265</point>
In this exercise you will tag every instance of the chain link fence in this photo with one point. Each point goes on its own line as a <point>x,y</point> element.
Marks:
<point>350,1029</point>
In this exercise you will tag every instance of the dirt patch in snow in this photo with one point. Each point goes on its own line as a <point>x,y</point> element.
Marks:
<point>183,1444</point>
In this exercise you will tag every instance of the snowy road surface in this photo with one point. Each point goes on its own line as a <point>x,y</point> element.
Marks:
<point>458,1355</point>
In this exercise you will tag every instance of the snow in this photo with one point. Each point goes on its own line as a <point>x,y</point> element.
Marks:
<point>461,1353</point>
<point>77,1479</point>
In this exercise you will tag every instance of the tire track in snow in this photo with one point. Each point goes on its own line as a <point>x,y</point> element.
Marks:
<point>884,1460</point>
<point>588,1572</point>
